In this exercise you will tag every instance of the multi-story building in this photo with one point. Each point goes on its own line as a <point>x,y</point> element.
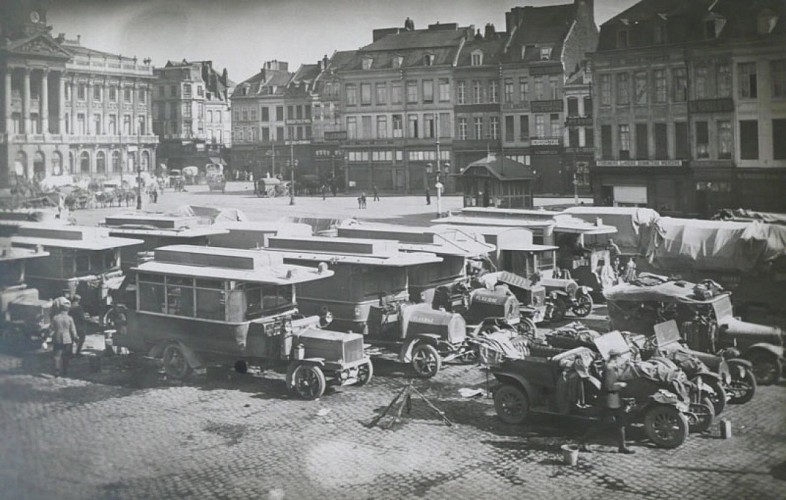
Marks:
<point>68,109</point>
<point>690,105</point>
<point>398,104</point>
<point>191,114</point>
<point>579,132</point>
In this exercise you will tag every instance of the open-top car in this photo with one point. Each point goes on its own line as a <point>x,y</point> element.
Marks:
<point>705,319</point>
<point>567,384</point>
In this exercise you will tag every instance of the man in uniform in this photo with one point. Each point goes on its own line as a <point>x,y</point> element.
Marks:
<point>63,336</point>
<point>78,314</point>
<point>612,404</point>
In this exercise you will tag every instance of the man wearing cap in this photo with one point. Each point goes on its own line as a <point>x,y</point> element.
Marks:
<point>612,405</point>
<point>63,336</point>
<point>77,313</point>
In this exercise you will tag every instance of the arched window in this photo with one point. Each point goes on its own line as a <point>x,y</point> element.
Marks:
<point>131,162</point>
<point>100,162</point>
<point>57,163</point>
<point>84,163</point>
<point>115,162</point>
<point>39,165</point>
<point>145,161</point>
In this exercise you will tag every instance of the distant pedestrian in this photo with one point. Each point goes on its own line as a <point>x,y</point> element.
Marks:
<point>630,271</point>
<point>79,317</point>
<point>363,200</point>
<point>428,196</point>
<point>614,250</point>
<point>154,194</point>
<point>360,202</point>
<point>334,189</point>
<point>63,337</point>
<point>376,193</point>
<point>324,190</point>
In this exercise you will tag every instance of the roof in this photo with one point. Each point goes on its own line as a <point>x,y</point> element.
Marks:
<point>264,83</point>
<point>492,51</point>
<point>249,266</point>
<point>542,26</point>
<point>504,169</point>
<point>569,224</point>
<point>77,49</point>
<point>75,237</point>
<point>492,221</point>
<point>186,232</point>
<point>405,259</point>
<point>348,250</point>
<point>11,253</point>
<point>419,39</point>
<point>676,291</point>
<point>413,239</point>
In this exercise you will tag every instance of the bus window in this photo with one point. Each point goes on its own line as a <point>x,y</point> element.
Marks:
<point>180,296</point>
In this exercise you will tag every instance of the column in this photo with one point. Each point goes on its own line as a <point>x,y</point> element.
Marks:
<point>61,106</point>
<point>7,110</point>
<point>74,92</point>
<point>91,126</point>
<point>45,101</point>
<point>26,100</point>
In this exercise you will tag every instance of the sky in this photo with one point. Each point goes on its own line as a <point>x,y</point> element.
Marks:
<point>242,34</point>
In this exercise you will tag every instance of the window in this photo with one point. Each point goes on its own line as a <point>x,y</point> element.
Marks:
<point>382,127</point>
<point>538,89</point>
<point>556,125</point>
<point>290,113</point>
<point>540,126</point>
<point>80,124</point>
<point>573,137</point>
<point>461,89</point>
<point>508,90</point>
<point>624,137</point>
<point>700,82</point>
<point>749,139</point>
<point>545,53</point>
<point>151,293</point>
<point>680,84</point>
<point>510,133</point>
<point>681,140</point>
<point>778,142</point>
<point>352,94</point>
<point>445,125</point>
<point>412,92</point>
<point>462,129</point>
<point>723,80</point>
<point>494,133</point>
<point>201,92</point>
<point>493,91</point>
<point>365,123</point>
<point>428,126</point>
<point>365,94</point>
<point>352,127</point>
<point>307,111</point>
<point>778,75</point>
<point>702,140</point>
<point>179,296</point>
<point>477,58</point>
<point>367,62</point>
<point>661,142</point>
<point>642,150</point>
<point>477,92</point>
<point>659,34</point>
<point>478,127</point>
<point>127,94</point>
<point>523,89</point>
<point>397,61</point>
<point>395,93</point>
<point>589,137</point>
<point>444,90</point>
<point>524,127</point>
<point>113,94</point>
<point>428,60</point>
<point>279,113</point>
<point>428,91</point>
<point>265,134</point>
<point>173,91</point>
<point>622,39</point>
<point>382,93</point>
<point>623,89</point>
<point>573,106</point>
<point>554,86</point>
<point>210,299</point>
<point>605,90</point>
<point>280,134</point>
<point>81,91</point>
<point>298,113</point>
<point>659,76</point>
<point>412,122</point>
<point>96,93</point>
<point>398,125</point>
<point>97,124</point>
<point>748,84</point>
<point>605,142</point>
<point>725,138</point>
<point>187,90</point>
<point>640,89</point>
<point>265,114</point>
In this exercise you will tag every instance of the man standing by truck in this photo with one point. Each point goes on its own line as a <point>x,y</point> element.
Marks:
<point>63,336</point>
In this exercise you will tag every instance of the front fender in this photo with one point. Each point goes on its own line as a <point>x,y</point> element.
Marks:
<point>515,379</point>
<point>320,362</point>
<point>775,350</point>
<point>405,356</point>
<point>584,289</point>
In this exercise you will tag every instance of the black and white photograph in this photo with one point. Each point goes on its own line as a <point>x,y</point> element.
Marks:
<point>368,249</point>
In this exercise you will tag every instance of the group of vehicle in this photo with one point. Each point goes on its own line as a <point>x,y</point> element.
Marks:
<point>320,307</point>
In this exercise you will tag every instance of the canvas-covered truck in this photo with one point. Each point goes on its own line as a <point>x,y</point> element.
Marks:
<point>194,306</point>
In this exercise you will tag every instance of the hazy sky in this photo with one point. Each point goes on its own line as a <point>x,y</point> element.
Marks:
<point>241,34</point>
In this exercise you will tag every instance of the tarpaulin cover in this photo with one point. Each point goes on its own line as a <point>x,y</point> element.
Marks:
<point>743,215</point>
<point>697,245</point>
<point>633,224</point>
<point>212,215</point>
<point>670,291</point>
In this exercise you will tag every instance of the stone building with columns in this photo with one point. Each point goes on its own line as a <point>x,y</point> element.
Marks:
<point>68,109</point>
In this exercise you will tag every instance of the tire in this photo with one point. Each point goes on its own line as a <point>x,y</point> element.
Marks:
<point>766,368</point>
<point>705,415</point>
<point>175,363</point>
<point>308,382</point>
<point>527,327</point>
<point>718,397</point>
<point>365,373</point>
<point>511,404</point>
<point>743,383</point>
<point>241,367</point>
<point>558,310</point>
<point>426,360</point>
<point>666,426</point>
<point>583,306</point>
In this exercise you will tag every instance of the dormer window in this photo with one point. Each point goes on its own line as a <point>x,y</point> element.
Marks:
<point>545,53</point>
<point>659,34</point>
<point>713,24</point>
<point>397,61</point>
<point>622,39</point>
<point>244,90</point>
<point>477,58</point>
<point>367,62</point>
<point>766,22</point>
<point>428,60</point>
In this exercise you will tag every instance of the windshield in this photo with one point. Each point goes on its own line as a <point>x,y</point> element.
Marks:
<point>266,299</point>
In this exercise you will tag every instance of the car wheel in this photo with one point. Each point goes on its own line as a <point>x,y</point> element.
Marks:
<point>511,404</point>
<point>365,373</point>
<point>718,395</point>
<point>175,363</point>
<point>309,382</point>
<point>558,310</point>
<point>743,383</point>
<point>527,327</point>
<point>666,426</point>
<point>766,368</point>
<point>703,415</point>
<point>583,306</point>
<point>426,360</point>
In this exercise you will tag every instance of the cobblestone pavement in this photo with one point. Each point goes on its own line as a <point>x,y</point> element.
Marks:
<point>126,432</point>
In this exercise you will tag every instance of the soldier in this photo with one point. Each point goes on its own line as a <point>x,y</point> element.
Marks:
<point>612,404</point>
<point>78,314</point>
<point>63,336</point>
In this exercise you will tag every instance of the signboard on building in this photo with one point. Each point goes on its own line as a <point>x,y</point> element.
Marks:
<point>553,106</point>
<point>338,135</point>
<point>578,121</point>
<point>711,105</point>
<point>639,163</point>
<point>551,141</point>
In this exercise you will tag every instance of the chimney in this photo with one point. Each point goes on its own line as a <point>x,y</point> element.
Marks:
<point>325,61</point>
<point>225,76</point>
<point>321,65</point>
<point>478,36</point>
<point>490,32</point>
<point>409,24</point>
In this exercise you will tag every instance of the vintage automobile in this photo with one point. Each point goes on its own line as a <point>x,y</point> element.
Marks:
<point>565,295</point>
<point>193,306</point>
<point>270,187</point>
<point>24,317</point>
<point>705,318</point>
<point>530,294</point>
<point>216,182</point>
<point>658,397</point>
